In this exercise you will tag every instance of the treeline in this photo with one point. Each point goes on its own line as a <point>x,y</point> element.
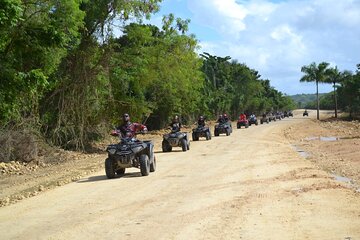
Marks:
<point>305,100</point>
<point>346,85</point>
<point>66,75</point>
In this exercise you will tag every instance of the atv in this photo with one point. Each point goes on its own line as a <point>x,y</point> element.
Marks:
<point>175,139</point>
<point>253,120</point>
<point>223,127</point>
<point>201,131</point>
<point>242,122</point>
<point>278,116</point>
<point>272,117</point>
<point>130,152</point>
<point>264,119</point>
<point>305,113</point>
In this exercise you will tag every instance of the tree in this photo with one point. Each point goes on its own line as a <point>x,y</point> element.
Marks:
<point>334,76</point>
<point>349,93</point>
<point>315,73</point>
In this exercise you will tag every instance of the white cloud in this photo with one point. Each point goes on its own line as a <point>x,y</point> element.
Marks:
<point>226,16</point>
<point>278,38</point>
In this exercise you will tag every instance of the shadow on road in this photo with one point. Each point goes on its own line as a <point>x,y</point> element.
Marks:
<point>158,152</point>
<point>103,177</point>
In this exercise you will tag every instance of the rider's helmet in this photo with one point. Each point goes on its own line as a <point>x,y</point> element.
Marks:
<point>126,118</point>
<point>225,115</point>
<point>176,119</point>
<point>201,118</point>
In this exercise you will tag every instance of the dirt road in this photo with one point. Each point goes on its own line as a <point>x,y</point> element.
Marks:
<point>250,185</point>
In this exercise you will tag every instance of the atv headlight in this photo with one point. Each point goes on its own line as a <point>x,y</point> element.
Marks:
<point>112,150</point>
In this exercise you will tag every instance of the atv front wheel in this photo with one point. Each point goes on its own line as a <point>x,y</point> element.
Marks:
<point>227,132</point>
<point>184,144</point>
<point>208,136</point>
<point>166,147</point>
<point>153,165</point>
<point>216,133</point>
<point>109,168</point>
<point>144,165</point>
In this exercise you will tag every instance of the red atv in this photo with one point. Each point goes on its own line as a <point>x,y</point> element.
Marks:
<point>242,121</point>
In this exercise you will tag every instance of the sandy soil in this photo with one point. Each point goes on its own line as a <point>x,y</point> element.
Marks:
<point>331,144</point>
<point>250,185</point>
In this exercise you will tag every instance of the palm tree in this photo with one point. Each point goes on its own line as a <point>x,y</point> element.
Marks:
<point>334,76</point>
<point>315,73</point>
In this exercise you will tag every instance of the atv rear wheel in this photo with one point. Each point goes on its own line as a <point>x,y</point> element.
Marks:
<point>238,126</point>
<point>144,165</point>
<point>184,144</point>
<point>153,165</point>
<point>109,168</point>
<point>216,133</point>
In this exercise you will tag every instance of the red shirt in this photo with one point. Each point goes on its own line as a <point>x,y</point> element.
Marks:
<point>242,117</point>
<point>128,130</point>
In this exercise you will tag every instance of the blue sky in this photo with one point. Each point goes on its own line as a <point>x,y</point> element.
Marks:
<point>275,37</point>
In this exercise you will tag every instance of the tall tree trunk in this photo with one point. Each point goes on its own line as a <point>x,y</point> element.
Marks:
<point>335,100</point>
<point>317,100</point>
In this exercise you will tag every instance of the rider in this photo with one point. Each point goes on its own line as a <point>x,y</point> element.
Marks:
<point>129,129</point>
<point>242,116</point>
<point>175,124</point>
<point>252,115</point>
<point>226,118</point>
<point>201,121</point>
<point>220,119</point>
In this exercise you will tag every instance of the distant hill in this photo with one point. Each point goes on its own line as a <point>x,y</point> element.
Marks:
<point>303,100</point>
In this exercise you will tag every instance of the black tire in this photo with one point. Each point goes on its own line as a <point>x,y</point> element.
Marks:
<point>246,125</point>
<point>153,165</point>
<point>194,137</point>
<point>208,136</point>
<point>256,123</point>
<point>120,172</point>
<point>216,133</point>
<point>261,122</point>
<point>227,132</point>
<point>188,146</point>
<point>184,144</point>
<point>144,165</point>
<point>166,146</point>
<point>109,168</point>
<point>238,126</point>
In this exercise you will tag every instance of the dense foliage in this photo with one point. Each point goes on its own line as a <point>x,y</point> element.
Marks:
<point>67,76</point>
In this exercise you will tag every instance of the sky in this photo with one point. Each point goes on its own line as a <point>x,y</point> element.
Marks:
<point>275,37</point>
